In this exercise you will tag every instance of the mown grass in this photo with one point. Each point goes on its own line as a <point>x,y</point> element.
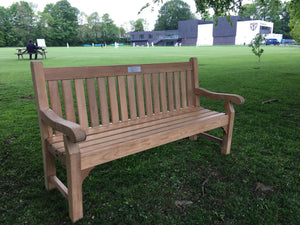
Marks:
<point>143,188</point>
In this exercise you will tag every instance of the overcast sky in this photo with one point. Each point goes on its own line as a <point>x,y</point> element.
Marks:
<point>120,11</point>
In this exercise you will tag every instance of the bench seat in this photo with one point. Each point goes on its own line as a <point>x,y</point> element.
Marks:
<point>104,145</point>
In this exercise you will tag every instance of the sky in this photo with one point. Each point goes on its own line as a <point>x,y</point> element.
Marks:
<point>120,11</point>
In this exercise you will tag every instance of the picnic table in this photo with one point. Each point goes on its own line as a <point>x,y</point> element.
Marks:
<point>23,51</point>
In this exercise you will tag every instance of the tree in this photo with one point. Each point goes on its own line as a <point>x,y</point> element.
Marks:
<point>282,26</point>
<point>65,22</point>
<point>249,11</point>
<point>94,24</point>
<point>268,11</point>
<point>8,34</point>
<point>172,12</point>
<point>21,17</point>
<point>220,7</point>
<point>109,31</point>
<point>256,45</point>
<point>138,25</point>
<point>294,9</point>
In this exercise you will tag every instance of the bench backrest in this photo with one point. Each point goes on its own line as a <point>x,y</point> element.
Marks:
<point>101,95</point>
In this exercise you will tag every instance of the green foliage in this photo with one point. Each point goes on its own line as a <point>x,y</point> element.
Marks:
<point>138,25</point>
<point>294,9</point>
<point>65,22</point>
<point>143,188</point>
<point>109,31</point>
<point>58,24</point>
<point>21,17</point>
<point>256,45</point>
<point>268,10</point>
<point>95,26</point>
<point>172,12</point>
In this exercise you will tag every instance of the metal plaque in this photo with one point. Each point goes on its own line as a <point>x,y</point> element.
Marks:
<point>134,69</point>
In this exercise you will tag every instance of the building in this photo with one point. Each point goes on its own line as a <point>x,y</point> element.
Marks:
<point>237,31</point>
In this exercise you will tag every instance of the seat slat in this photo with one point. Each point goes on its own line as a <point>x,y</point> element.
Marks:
<point>104,142</point>
<point>81,103</point>
<point>92,101</point>
<point>122,135</point>
<point>138,123</point>
<point>103,100</point>
<point>105,136</point>
<point>145,141</point>
<point>68,100</point>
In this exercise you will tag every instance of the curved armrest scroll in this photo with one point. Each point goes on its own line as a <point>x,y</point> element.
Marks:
<point>237,99</point>
<point>74,131</point>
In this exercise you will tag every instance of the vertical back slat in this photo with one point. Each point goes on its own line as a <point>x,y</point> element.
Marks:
<point>194,62</point>
<point>123,98</point>
<point>190,88</point>
<point>163,92</point>
<point>92,101</point>
<point>183,89</point>
<point>170,91</point>
<point>176,90</point>
<point>55,101</point>
<point>148,95</point>
<point>81,103</point>
<point>54,95</point>
<point>113,99</point>
<point>131,97</point>
<point>155,93</point>
<point>140,96</point>
<point>68,100</point>
<point>103,100</point>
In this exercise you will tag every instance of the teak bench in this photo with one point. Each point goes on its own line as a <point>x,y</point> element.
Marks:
<point>96,114</point>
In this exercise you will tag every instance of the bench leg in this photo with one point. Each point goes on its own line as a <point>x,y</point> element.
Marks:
<point>193,138</point>
<point>74,179</point>
<point>227,131</point>
<point>49,168</point>
<point>48,158</point>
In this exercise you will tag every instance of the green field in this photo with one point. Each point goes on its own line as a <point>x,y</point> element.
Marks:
<point>258,183</point>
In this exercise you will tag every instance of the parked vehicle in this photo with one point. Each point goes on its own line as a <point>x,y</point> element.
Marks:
<point>272,41</point>
<point>287,41</point>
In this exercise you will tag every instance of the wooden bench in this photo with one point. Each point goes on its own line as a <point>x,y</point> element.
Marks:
<point>21,52</point>
<point>96,114</point>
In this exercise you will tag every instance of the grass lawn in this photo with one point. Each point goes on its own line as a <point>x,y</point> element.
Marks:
<point>258,183</point>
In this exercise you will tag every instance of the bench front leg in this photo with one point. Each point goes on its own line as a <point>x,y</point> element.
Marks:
<point>74,179</point>
<point>227,131</point>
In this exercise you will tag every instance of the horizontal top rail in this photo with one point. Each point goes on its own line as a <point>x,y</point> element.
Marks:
<point>67,73</point>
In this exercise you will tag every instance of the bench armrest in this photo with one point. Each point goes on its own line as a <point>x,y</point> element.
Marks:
<point>72,130</point>
<point>237,99</point>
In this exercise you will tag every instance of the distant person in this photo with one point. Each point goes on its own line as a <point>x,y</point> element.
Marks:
<point>32,49</point>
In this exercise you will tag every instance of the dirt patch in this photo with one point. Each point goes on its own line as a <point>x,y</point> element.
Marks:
<point>28,97</point>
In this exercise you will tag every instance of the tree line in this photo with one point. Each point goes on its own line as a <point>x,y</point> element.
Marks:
<point>58,23</point>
